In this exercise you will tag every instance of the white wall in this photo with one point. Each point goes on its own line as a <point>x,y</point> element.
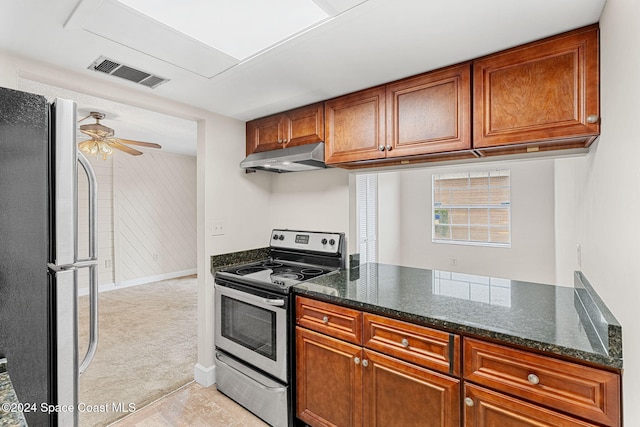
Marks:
<point>390,217</point>
<point>608,209</point>
<point>154,216</point>
<point>313,200</point>
<point>150,201</point>
<point>569,189</point>
<point>532,254</point>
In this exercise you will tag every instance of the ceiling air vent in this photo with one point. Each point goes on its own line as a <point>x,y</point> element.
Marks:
<point>114,68</point>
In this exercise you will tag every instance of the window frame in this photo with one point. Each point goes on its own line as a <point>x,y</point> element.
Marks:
<point>470,206</point>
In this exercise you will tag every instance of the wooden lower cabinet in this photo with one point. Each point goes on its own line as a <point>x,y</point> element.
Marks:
<point>341,384</point>
<point>397,393</point>
<point>582,391</point>
<point>487,408</point>
<point>355,368</point>
<point>329,382</point>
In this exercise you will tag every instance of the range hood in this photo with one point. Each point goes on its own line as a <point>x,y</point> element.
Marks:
<point>292,159</point>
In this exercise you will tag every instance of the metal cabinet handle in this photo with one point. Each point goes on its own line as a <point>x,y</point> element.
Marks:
<point>592,119</point>
<point>91,263</point>
<point>325,320</point>
<point>357,360</point>
<point>405,342</point>
<point>275,302</point>
<point>468,401</point>
<point>389,147</point>
<point>365,362</point>
<point>381,148</point>
<point>533,379</point>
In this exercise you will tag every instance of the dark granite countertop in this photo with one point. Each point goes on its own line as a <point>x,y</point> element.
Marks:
<point>235,258</point>
<point>10,416</point>
<point>565,321</point>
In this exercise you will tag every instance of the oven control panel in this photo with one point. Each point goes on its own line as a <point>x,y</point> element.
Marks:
<point>311,241</point>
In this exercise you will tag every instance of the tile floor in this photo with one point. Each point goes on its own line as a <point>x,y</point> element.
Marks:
<point>192,405</point>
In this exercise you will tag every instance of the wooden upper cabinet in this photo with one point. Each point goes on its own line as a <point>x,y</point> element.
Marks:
<point>305,125</point>
<point>430,113</point>
<point>301,126</point>
<point>355,126</point>
<point>540,92</point>
<point>265,134</point>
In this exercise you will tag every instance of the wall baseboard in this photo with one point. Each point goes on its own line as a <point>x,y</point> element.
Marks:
<point>105,287</point>
<point>203,375</point>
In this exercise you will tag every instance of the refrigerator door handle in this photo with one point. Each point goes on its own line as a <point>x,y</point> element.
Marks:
<point>91,263</point>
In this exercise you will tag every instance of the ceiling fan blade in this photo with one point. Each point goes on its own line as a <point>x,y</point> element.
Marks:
<point>140,143</point>
<point>115,144</point>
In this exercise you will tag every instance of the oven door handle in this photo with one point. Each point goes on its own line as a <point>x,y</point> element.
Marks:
<point>274,302</point>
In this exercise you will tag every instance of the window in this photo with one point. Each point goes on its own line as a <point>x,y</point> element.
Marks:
<point>472,208</point>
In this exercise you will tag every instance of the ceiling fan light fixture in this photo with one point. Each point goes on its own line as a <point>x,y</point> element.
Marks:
<point>102,141</point>
<point>95,148</point>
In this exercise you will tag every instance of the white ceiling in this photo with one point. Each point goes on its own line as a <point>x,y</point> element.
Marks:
<point>174,134</point>
<point>365,44</point>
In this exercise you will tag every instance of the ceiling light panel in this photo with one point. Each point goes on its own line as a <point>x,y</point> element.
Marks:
<point>239,28</point>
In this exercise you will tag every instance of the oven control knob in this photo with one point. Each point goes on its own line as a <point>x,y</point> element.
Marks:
<point>275,237</point>
<point>323,241</point>
<point>332,242</point>
<point>281,237</point>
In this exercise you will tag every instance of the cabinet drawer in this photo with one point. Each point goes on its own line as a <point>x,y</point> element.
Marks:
<point>583,391</point>
<point>416,344</point>
<point>484,407</point>
<point>339,322</point>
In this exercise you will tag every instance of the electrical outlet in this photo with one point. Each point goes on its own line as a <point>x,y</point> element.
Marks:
<point>454,261</point>
<point>579,255</point>
<point>218,228</point>
<point>107,263</point>
<point>155,257</point>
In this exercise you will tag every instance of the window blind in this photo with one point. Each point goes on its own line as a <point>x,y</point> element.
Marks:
<point>472,208</point>
<point>367,200</point>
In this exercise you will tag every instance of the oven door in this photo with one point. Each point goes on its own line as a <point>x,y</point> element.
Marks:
<point>253,328</point>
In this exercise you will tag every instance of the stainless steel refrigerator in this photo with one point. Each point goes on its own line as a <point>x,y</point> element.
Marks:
<point>39,259</point>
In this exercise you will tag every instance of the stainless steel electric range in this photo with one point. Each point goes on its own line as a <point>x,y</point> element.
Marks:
<point>254,320</point>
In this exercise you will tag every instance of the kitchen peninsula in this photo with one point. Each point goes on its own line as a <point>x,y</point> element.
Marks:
<point>516,350</point>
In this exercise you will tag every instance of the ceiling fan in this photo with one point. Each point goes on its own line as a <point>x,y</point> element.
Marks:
<point>103,140</point>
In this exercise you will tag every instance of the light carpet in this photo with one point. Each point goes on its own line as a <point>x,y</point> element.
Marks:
<point>147,347</point>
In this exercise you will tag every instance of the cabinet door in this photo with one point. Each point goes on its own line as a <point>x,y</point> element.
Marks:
<point>539,92</point>
<point>430,113</point>
<point>265,134</point>
<point>397,393</point>
<point>305,125</point>
<point>328,379</point>
<point>486,408</point>
<point>355,127</point>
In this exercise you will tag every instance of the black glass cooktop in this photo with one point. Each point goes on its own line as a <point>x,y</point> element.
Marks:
<point>281,273</point>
